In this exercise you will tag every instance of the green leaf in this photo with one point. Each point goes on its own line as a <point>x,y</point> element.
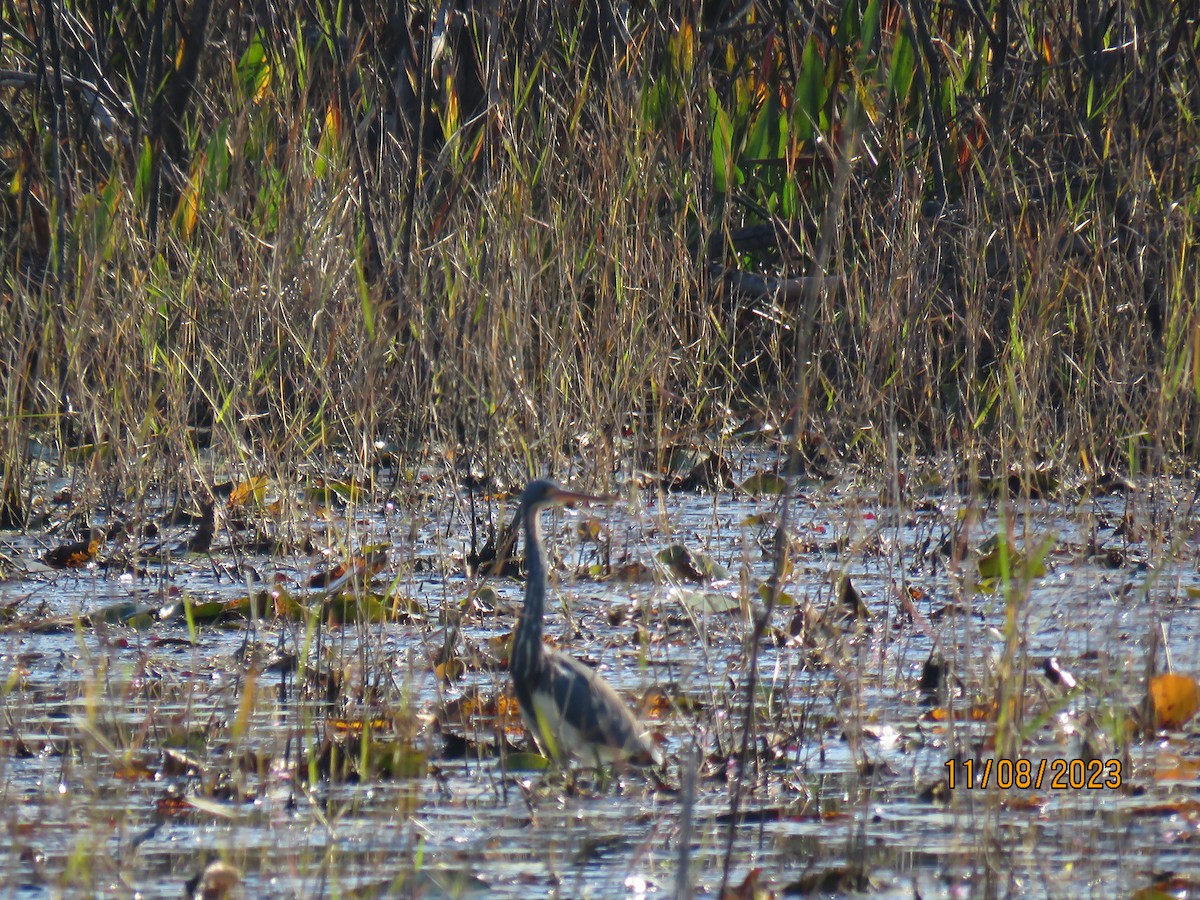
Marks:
<point>704,602</point>
<point>526,762</point>
<point>655,99</point>
<point>219,160</point>
<point>105,213</point>
<point>783,598</point>
<point>722,145</point>
<point>145,172</point>
<point>1000,560</point>
<point>789,199</point>
<point>810,93</point>
<point>766,135</point>
<point>903,69</point>
<point>350,491</point>
<point>765,483</point>
<point>364,299</point>
<point>253,70</point>
<point>870,31</point>
<point>126,612</point>
<point>270,198</point>
<point>682,564</point>
<point>849,24</point>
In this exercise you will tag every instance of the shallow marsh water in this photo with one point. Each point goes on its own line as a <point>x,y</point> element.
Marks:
<point>132,757</point>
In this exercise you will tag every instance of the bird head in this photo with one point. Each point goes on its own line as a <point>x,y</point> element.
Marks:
<point>541,494</point>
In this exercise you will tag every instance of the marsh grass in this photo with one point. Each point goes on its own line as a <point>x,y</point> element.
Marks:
<point>1015,287</point>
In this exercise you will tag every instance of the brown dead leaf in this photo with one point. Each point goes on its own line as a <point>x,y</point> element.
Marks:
<point>218,881</point>
<point>634,572</point>
<point>362,567</point>
<point>751,888</point>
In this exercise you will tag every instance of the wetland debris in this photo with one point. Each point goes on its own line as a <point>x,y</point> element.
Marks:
<point>76,554</point>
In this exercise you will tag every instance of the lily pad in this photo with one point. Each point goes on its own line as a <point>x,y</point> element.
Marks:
<point>703,602</point>
<point>682,564</point>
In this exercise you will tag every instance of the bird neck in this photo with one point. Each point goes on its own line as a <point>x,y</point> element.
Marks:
<point>527,644</point>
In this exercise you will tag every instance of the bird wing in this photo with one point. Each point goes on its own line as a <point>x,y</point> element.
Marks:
<point>591,714</point>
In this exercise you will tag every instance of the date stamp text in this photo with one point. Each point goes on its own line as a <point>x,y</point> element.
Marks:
<point>1053,774</point>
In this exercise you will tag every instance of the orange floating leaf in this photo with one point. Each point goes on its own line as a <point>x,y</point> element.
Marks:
<point>134,771</point>
<point>254,490</point>
<point>77,554</point>
<point>1175,698</point>
<point>589,530</point>
<point>173,806</point>
<point>656,704</point>
<point>1170,766</point>
<point>450,670</point>
<point>978,712</point>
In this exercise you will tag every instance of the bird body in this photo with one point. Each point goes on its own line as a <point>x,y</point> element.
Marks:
<point>571,711</point>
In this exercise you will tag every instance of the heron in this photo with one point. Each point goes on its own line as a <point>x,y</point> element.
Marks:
<point>571,711</point>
